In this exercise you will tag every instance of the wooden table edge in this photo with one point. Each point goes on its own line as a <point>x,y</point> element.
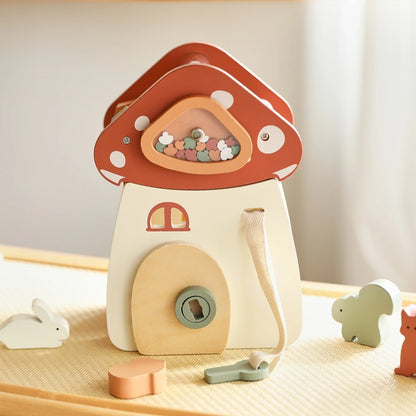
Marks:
<point>55,258</point>
<point>22,400</point>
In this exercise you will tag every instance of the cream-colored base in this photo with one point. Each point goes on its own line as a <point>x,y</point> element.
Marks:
<point>215,221</point>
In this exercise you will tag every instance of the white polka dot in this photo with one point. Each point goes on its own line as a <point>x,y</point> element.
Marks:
<point>270,139</point>
<point>117,159</point>
<point>223,97</point>
<point>141,123</point>
<point>111,176</point>
<point>266,103</point>
<point>282,173</point>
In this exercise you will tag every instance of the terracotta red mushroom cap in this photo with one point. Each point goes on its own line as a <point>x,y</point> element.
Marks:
<point>198,127</point>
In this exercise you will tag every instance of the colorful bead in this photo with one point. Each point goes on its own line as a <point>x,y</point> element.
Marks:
<point>179,144</point>
<point>212,144</point>
<point>226,153</point>
<point>215,155</point>
<point>159,147</point>
<point>190,155</point>
<point>203,156</point>
<point>194,149</point>
<point>165,138</point>
<point>221,145</point>
<point>231,141</point>
<point>190,143</point>
<point>170,150</point>
<point>235,149</point>
<point>200,146</point>
<point>181,154</point>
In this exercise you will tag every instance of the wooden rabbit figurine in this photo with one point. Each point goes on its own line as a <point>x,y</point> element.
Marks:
<point>408,354</point>
<point>44,329</point>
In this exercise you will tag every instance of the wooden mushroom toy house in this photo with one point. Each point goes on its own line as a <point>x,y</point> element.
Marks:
<point>194,142</point>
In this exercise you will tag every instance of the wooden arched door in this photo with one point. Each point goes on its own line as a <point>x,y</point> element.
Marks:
<point>161,277</point>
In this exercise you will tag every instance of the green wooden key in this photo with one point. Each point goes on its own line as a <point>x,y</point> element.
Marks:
<point>238,371</point>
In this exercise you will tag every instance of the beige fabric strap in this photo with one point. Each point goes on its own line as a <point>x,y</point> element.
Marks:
<point>255,233</point>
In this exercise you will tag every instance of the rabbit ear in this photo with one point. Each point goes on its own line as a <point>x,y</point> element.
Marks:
<point>41,310</point>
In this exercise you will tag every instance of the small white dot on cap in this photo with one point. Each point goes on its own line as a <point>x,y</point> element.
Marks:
<point>117,159</point>
<point>282,173</point>
<point>223,97</point>
<point>141,123</point>
<point>267,103</point>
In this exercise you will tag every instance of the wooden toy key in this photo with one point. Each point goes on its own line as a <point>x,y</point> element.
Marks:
<point>241,370</point>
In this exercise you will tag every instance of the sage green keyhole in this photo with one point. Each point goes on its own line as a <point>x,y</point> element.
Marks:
<point>195,307</point>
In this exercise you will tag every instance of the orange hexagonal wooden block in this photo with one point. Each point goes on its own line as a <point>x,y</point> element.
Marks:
<point>136,378</point>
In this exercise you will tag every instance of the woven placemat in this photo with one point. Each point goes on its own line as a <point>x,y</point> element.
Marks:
<point>319,374</point>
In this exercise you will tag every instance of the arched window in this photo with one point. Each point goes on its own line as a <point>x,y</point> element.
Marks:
<point>168,216</point>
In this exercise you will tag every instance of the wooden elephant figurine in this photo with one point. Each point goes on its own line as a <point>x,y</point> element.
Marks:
<point>364,314</point>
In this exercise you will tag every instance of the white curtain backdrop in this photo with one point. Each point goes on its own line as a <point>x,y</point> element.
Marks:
<point>347,67</point>
<point>354,199</point>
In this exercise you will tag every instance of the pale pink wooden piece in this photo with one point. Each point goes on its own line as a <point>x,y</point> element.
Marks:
<point>136,378</point>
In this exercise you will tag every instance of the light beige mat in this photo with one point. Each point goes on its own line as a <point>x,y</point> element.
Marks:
<point>319,375</point>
